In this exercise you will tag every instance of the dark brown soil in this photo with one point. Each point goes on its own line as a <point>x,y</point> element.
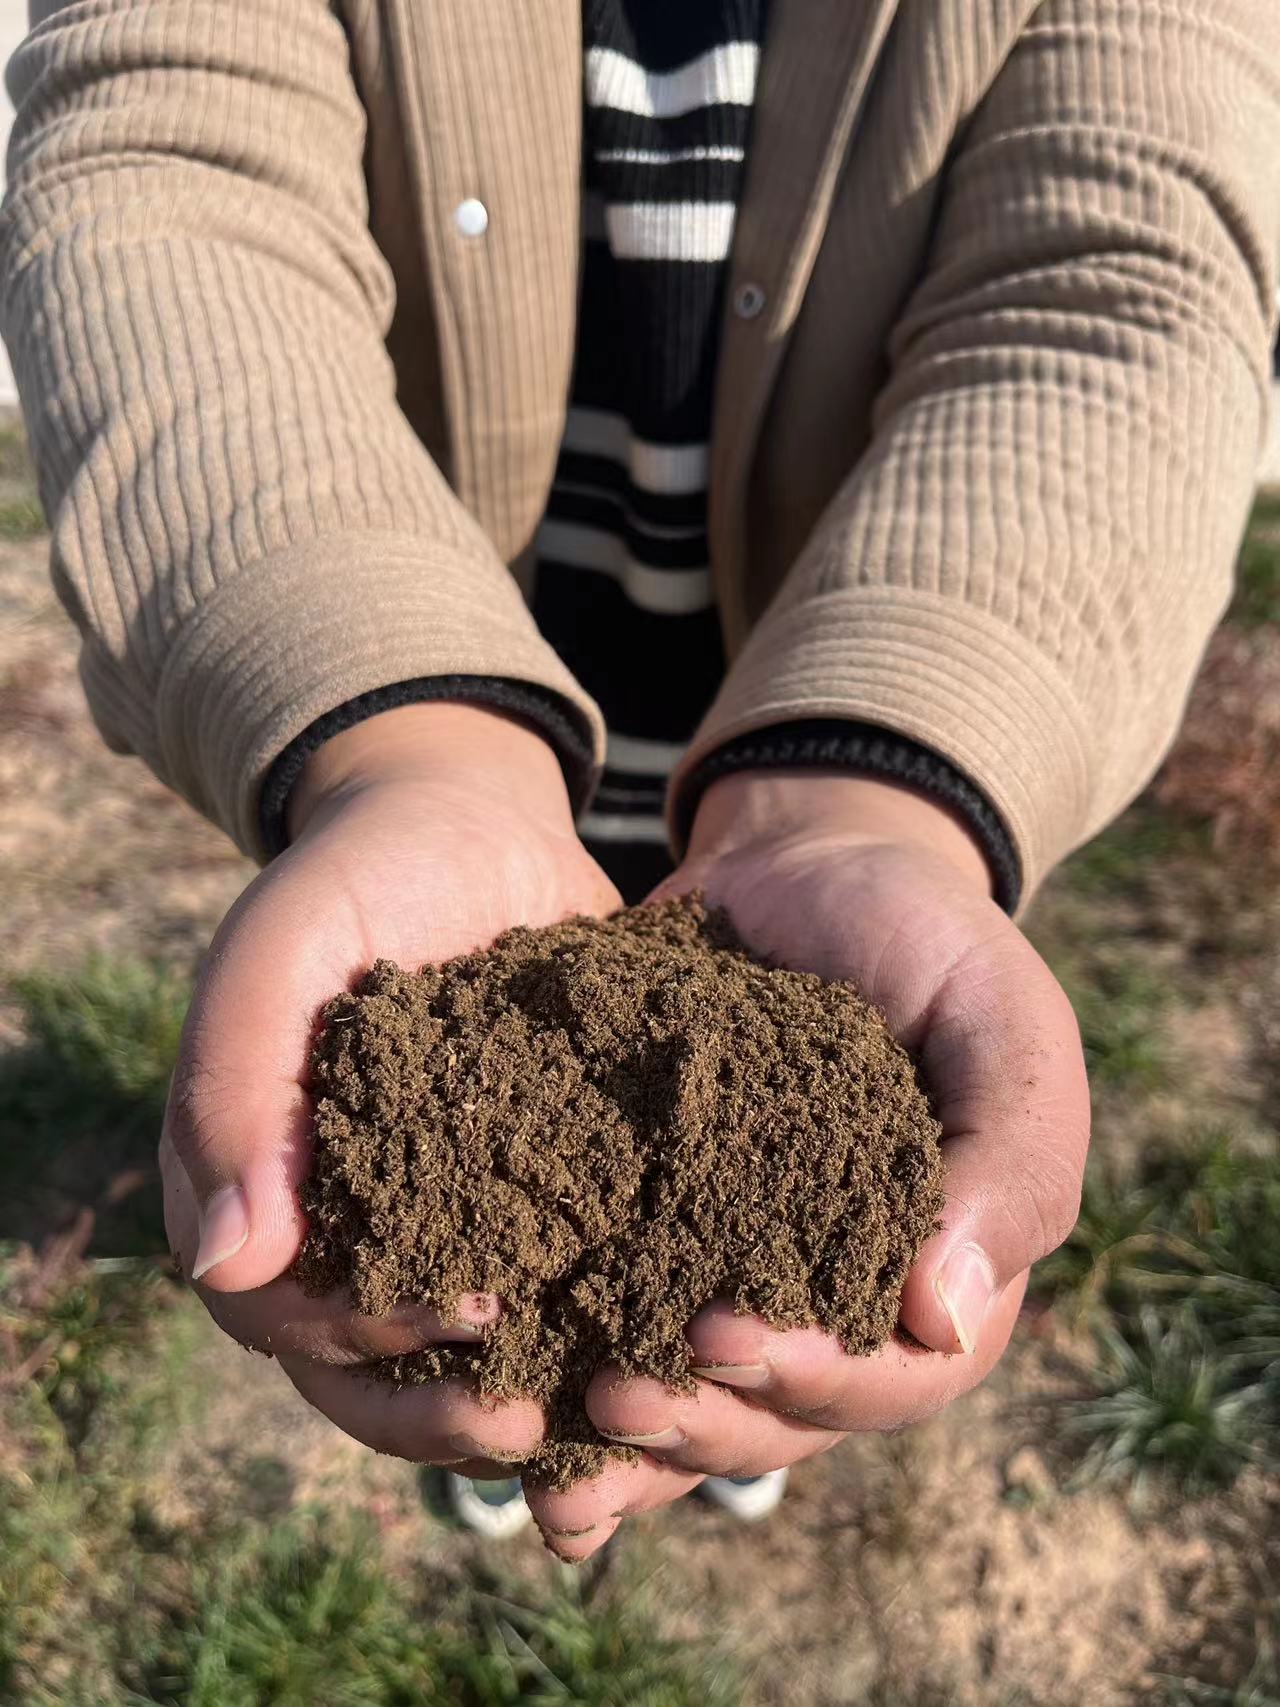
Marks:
<point>609,1124</point>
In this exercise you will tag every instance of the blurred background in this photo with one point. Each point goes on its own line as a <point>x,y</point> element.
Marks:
<point>1100,1525</point>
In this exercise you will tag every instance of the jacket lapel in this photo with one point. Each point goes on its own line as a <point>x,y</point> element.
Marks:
<point>818,60</point>
<point>492,92</point>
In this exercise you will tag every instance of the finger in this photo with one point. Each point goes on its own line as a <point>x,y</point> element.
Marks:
<point>803,1372</point>
<point>441,1422</point>
<point>1003,1057</point>
<point>712,1430</point>
<point>281,1319</point>
<point>578,1520</point>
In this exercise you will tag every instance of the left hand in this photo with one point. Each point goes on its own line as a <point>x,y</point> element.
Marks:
<point>861,880</point>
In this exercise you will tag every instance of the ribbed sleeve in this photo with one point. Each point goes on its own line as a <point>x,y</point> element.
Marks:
<point>245,528</point>
<point>1023,567</point>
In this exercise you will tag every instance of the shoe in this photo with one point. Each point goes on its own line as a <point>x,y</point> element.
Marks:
<point>748,1498</point>
<point>492,1509</point>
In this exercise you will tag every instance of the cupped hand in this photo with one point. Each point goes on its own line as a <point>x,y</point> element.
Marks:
<point>417,835</point>
<point>859,880</point>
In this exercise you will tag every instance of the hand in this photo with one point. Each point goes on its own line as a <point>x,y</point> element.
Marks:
<point>417,835</point>
<point>860,880</point>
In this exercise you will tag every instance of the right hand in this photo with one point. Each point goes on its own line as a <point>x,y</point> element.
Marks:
<point>418,835</point>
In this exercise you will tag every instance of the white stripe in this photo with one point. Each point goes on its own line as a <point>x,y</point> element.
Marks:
<point>672,470</point>
<point>670,231</point>
<point>623,827</point>
<point>667,156</point>
<point>640,757</point>
<point>641,524</point>
<point>668,592</point>
<point>723,76</point>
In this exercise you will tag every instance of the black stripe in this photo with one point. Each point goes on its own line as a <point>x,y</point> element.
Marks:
<point>623,181</point>
<point>647,672</point>
<point>626,795</point>
<point>687,551</point>
<point>625,361</point>
<point>602,474</point>
<point>666,37</point>
<point>635,867</point>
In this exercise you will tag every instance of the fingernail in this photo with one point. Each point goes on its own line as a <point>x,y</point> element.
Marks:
<point>569,1534</point>
<point>733,1374</point>
<point>470,1447</point>
<point>665,1437</point>
<point>965,1285</point>
<point>224,1227</point>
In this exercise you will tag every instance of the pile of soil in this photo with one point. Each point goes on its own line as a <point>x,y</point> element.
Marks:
<point>608,1124</point>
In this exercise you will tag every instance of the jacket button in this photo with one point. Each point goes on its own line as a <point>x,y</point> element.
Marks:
<point>471,218</point>
<point>748,300</point>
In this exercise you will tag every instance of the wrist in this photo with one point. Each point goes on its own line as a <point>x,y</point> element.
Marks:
<point>440,742</point>
<point>750,807</point>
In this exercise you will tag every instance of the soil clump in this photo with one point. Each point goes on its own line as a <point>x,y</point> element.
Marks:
<point>609,1124</point>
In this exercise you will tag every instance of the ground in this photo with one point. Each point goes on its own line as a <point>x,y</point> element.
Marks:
<point>1099,1526</point>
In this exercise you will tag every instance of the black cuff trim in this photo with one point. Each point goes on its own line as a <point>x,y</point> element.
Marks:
<point>831,742</point>
<point>562,725</point>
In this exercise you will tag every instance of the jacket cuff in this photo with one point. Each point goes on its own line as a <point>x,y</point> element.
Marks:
<point>952,677</point>
<point>290,637</point>
<point>560,724</point>
<point>828,743</point>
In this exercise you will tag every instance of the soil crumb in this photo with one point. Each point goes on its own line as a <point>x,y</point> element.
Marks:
<point>609,1124</point>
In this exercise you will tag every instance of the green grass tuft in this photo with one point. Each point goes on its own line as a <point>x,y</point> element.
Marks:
<point>1121,1009</point>
<point>1121,860</point>
<point>1261,1688</point>
<point>567,1651</point>
<point>111,1028</point>
<point>87,1089</point>
<point>1168,1403</point>
<point>300,1620</point>
<point>1107,1258</point>
<point>1178,1269</point>
<point>21,518</point>
<point>307,1615</point>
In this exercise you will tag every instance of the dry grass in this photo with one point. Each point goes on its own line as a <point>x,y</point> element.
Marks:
<point>1225,769</point>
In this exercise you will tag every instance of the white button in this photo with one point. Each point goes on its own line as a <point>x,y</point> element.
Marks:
<point>748,300</point>
<point>471,217</point>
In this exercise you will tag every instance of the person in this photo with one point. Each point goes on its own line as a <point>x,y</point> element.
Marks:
<point>489,445</point>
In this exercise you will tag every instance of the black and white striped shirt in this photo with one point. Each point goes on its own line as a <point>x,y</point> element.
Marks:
<point>624,583</point>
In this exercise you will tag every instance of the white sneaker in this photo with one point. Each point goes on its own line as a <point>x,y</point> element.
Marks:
<point>748,1498</point>
<point>493,1509</point>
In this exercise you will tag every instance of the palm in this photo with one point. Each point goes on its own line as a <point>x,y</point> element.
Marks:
<point>964,990</point>
<point>1000,1055</point>
<point>438,874</point>
<point>413,873</point>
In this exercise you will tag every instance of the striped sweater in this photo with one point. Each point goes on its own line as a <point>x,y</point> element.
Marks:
<point>623,587</point>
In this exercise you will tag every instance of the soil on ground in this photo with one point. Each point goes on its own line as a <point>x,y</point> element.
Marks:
<point>608,1124</point>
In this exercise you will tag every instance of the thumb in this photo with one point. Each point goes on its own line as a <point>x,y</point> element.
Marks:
<point>236,1139</point>
<point>1011,1092</point>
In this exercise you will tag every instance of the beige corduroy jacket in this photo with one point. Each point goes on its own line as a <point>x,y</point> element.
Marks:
<point>987,421</point>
